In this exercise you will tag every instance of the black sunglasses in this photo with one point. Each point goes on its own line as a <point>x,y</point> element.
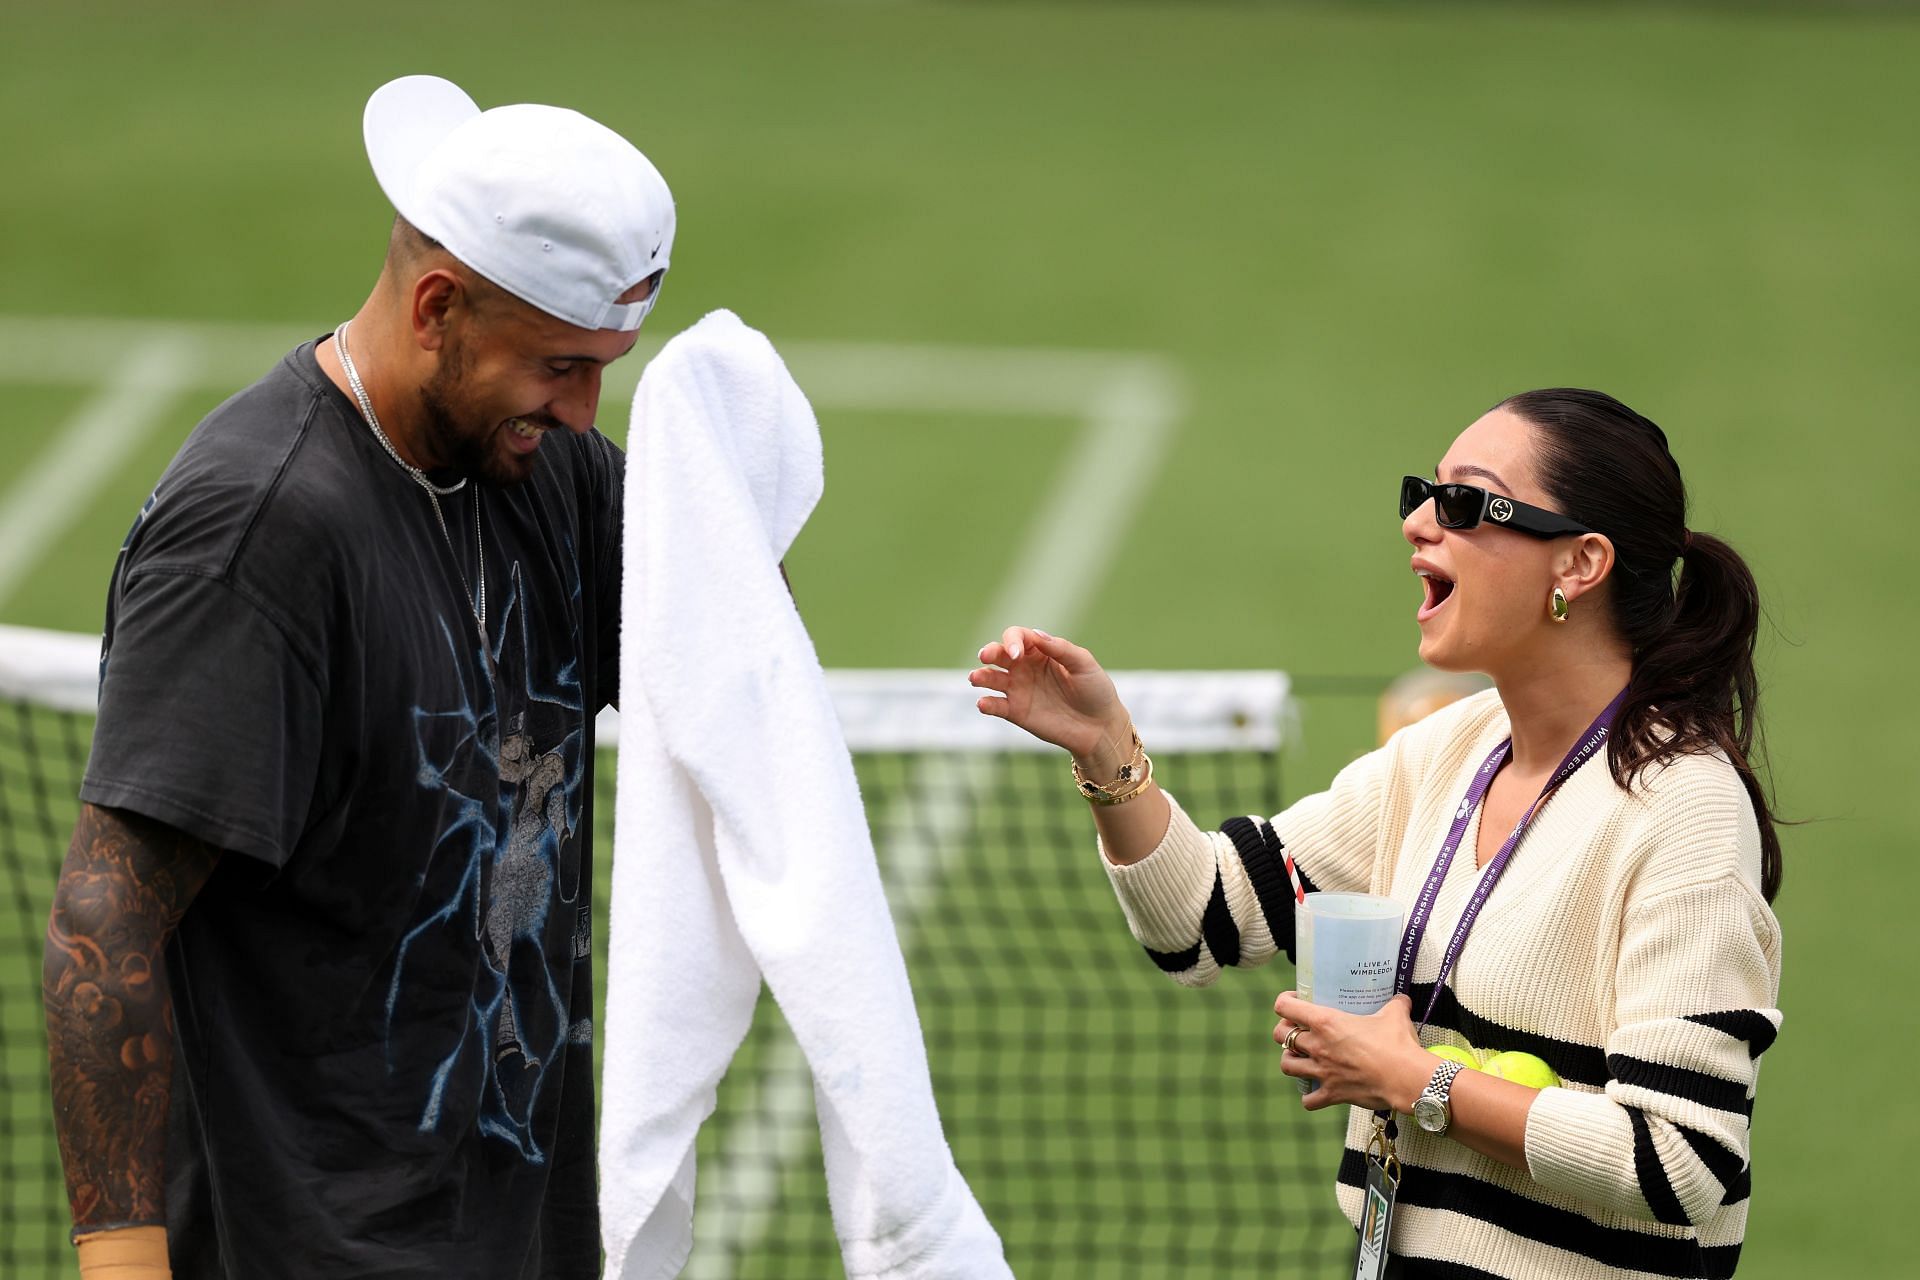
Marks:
<point>1464,506</point>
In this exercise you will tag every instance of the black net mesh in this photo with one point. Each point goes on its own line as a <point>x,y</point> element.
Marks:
<point>42,754</point>
<point>1111,1123</point>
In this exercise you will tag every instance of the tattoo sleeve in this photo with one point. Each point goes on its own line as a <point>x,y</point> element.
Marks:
<point>124,885</point>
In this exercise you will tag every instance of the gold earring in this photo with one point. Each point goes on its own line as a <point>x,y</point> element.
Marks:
<point>1557,605</point>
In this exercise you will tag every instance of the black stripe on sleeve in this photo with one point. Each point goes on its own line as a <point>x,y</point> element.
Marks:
<point>1725,1164</point>
<point>1277,848</point>
<point>1217,926</point>
<point>1680,1082</point>
<point>1742,1024</point>
<point>1174,961</point>
<point>1571,1061</point>
<point>1655,1186</point>
<point>1720,1260</point>
<point>1582,1063</point>
<point>1439,1269</point>
<point>1264,857</point>
<point>1268,877</point>
<point>1621,1247</point>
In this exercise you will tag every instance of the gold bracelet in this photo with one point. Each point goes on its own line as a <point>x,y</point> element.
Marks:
<point>1133,778</point>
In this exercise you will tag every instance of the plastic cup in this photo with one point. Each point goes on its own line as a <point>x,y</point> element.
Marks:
<point>1345,948</point>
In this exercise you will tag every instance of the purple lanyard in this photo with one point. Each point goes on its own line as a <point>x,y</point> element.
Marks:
<point>1591,741</point>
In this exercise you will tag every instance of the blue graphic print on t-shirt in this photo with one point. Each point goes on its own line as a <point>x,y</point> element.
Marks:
<point>513,803</point>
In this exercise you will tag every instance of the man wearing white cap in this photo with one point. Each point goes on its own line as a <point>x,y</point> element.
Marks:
<point>318,969</point>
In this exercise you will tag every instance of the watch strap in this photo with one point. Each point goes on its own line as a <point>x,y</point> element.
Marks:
<point>1440,1090</point>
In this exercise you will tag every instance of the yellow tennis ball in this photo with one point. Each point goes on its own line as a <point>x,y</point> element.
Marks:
<point>1465,1057</point>
<point>1521,1068</point>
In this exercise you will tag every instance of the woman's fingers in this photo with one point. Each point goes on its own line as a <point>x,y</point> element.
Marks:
<point>1300,1066</point>
<point>994,653</point>
<point>1290,1006</point>
<point>989,678</point>
<point>1017,642</point>
<point>1014,641</point>
<point>1076,660</point>
<point>1301,1046</point>
<point>1303,1016</point>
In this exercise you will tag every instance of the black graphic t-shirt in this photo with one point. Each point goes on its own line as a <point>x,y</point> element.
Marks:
<point>383,994</point>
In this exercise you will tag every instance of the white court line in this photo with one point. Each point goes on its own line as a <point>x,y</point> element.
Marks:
<point>1128,406</point>
<point>1128,402</point>
<point>1130,413</point>
<point>69,351</point>
<point>148,372</point>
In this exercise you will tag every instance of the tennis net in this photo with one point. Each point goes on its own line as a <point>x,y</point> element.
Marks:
<point>1111,1123</point>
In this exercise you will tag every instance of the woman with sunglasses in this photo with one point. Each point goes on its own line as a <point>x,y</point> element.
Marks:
<point>1608,910</point>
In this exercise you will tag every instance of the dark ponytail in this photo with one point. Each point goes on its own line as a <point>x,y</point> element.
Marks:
<point>1692,632</point>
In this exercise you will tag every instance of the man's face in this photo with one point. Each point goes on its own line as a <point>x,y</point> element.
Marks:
<point>509,373</point>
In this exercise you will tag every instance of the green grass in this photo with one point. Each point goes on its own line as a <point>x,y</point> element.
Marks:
<point>900,525</point>
<point>1351,228</point>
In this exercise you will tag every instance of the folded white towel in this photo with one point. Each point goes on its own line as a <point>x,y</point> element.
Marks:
<point>741,847</point>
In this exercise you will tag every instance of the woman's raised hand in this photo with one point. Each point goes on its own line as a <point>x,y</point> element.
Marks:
<point>1055,690</point>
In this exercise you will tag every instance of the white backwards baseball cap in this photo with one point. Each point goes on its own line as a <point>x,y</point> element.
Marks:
<point>555,208</point>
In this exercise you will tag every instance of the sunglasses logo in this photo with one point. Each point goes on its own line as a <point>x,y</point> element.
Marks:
<point>1500,509</point>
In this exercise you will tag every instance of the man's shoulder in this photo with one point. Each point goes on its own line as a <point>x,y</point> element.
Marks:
<point>250,438</point>
<point>261,458</point>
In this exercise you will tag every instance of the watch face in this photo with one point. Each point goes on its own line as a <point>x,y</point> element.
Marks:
<point>1430,1114</point>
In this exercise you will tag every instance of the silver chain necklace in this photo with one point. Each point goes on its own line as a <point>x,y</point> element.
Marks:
<point>434,492</point>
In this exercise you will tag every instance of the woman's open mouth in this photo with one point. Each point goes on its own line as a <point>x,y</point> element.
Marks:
<point>1439,589</point>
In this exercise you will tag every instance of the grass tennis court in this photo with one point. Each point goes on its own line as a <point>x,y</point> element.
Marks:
<point>1342,231</point>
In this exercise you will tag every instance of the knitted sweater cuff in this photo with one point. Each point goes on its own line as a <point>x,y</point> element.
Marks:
<point>1165,892</point>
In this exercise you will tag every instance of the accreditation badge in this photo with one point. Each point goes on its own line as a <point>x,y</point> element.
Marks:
<point>1376,1211</point>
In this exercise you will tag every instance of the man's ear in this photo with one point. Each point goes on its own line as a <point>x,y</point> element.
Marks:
<point>435,295</point>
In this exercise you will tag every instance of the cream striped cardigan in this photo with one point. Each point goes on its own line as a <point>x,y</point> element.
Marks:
<point>1628,945</point>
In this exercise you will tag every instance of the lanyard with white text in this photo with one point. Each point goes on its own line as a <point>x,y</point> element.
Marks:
<point>1591,741</point>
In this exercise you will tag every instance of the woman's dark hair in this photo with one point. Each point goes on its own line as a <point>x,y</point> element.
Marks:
<point>1693,688</point>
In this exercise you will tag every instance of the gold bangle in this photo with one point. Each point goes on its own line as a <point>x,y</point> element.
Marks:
<point>1133,778</point>
<point>1140,784</point>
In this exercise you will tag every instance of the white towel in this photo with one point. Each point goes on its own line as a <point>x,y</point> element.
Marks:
<point>741,847</point>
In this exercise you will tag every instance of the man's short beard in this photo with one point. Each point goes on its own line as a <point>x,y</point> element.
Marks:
<point>460,445</point>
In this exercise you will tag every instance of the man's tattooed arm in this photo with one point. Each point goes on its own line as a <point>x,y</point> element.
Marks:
<point>124,885</point>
